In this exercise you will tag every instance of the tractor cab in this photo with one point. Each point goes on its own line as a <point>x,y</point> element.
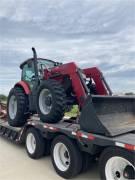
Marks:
<point>29,69</point>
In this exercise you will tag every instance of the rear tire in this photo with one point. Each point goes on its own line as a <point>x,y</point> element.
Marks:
<point>117,163</point>
<point>51,102</point>
<point>66,157</point>
<point>17,107</point>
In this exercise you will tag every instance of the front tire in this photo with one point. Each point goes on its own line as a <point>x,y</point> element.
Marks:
<point>51,101</point>
<point>66,157</point>
<point>117,163</point>
<point>17,107</point>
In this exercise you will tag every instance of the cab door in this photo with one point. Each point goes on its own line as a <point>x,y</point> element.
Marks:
<point>28,74</point>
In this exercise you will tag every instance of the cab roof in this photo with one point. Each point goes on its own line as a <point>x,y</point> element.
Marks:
<point>31,59</point>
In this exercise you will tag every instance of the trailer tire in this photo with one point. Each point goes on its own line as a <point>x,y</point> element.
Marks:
<point>116,163</point>
<point>66,157</point>
<point>51,103</point>
<point>36,146</point>
<point>17,107</point>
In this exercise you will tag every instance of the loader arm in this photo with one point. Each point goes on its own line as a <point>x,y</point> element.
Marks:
<point>102,87</point>
<point>73,72</point>
<point>79,86</point>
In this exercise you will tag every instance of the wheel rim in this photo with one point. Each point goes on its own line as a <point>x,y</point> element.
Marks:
<point>61,157</point>
<point>115,167</point>
<point>12,107</point>
<point>31,143</point>
<point>45,101</point>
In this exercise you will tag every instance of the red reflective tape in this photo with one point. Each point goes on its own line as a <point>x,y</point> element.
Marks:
<point>126,146</point>
<point>91,137</point>
<point>53,128</point>
<point>73,133</point>
<point>46,126</point>
<point>82,135</point>
<point>79,134</point>
<point>130,147</point>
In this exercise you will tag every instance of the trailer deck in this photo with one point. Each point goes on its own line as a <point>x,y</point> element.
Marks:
<point>70,129</point>
<point>90,145</point>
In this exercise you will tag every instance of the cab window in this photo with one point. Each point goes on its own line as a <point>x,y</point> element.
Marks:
<point>28,72</point>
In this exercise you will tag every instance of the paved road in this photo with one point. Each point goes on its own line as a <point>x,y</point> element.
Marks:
<point>15,165</point>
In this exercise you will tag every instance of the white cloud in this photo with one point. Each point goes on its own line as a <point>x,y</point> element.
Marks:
<point>91,33</point>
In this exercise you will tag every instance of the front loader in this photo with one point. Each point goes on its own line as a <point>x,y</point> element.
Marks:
<point>49,88</point>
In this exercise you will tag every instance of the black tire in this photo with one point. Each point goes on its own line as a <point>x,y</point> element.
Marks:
<point>58,101</point>
<point>22,107</point>
<point>115,152</point>
<point>41,144</point>
<point>75,155</point>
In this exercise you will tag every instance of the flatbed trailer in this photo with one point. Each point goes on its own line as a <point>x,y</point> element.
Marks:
<point>74,147</point>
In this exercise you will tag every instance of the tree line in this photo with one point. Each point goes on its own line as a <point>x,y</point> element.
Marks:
<point>4,97</point>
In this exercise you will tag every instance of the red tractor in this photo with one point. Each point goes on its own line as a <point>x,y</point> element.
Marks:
<point>49,88</point>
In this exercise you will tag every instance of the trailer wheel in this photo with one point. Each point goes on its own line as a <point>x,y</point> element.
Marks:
<point>17,107</point>
<point>36,145</point>
<point>66,157</point>
<point>51,104</point>
<point>117,163</point>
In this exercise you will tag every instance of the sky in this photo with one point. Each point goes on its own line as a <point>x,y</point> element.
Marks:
<point>91,33</point>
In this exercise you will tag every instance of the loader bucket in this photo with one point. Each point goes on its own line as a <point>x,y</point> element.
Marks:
<point>108,115</point>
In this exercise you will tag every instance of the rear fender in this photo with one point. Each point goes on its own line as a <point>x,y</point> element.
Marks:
<point>25,87</point>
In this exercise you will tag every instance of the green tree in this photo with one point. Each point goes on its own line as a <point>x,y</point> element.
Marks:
<point>3,97</point>
<point>129,93</point>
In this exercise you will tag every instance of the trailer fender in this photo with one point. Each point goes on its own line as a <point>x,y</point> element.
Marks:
<point>24,85</point>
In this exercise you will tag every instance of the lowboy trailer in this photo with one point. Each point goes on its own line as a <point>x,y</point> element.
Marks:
<point>73,150</point>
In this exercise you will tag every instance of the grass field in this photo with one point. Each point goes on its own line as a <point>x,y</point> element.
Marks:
<point>73,112</point>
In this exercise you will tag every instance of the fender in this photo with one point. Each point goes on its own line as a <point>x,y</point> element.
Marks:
<point>24,85</point>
